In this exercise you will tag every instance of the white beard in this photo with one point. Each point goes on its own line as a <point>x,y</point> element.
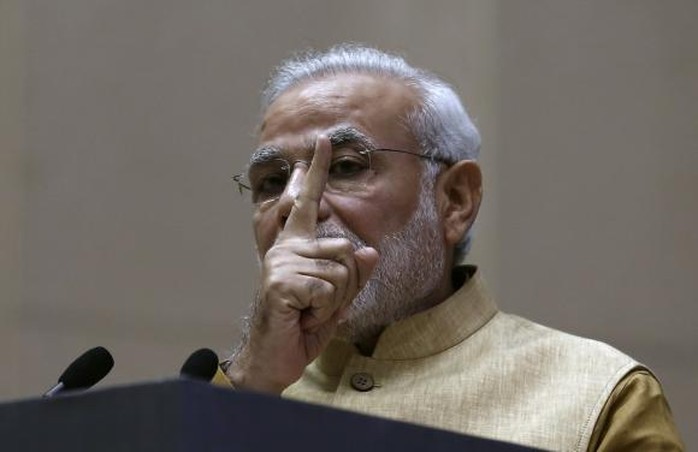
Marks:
<point>410,268</point>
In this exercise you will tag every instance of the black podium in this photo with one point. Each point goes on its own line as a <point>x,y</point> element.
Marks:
<point>192,416</point>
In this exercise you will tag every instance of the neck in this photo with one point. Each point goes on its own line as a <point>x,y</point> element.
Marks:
<point>366,341</point>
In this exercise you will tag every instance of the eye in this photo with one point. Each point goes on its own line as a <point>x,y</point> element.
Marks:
<point>268,181</point>
<point>348,166</point>
<point>269,187</point>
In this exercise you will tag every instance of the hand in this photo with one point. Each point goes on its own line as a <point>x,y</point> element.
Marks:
<point>306,289</point>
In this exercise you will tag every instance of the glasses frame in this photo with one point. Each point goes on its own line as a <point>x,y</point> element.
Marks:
<point>237,178</point>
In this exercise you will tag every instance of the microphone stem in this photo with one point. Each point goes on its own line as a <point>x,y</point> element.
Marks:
<point>55,390</point>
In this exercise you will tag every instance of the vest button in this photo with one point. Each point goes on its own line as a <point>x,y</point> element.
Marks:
<point>362,381</point>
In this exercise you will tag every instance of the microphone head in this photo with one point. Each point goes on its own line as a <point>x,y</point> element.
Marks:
<point>201,365</point>
<point>87,369</point>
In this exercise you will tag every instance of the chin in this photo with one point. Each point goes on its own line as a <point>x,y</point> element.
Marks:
<point>358,329</point>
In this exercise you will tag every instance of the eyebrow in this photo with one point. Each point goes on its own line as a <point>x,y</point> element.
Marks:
<point>339,136</point>
<point>350,135</point>
<point>264,154</point>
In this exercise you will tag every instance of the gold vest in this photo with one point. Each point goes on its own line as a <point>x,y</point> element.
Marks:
<point>466,367</point>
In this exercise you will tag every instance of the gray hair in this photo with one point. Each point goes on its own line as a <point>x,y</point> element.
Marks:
<point>440,123</point>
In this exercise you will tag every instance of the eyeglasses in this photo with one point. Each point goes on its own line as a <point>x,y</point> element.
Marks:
<point>351,172</point>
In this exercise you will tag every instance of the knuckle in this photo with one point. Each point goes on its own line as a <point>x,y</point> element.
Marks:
<point>306,198</point>
<point>343,272</point>
<point>318,287</point>
<point>345,245</point>
<point>323,264</point>
<point>285,244</point>
<point>274,283</point>
<point>275,252</point>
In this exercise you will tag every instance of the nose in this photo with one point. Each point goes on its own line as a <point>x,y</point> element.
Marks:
<point>293,189</point>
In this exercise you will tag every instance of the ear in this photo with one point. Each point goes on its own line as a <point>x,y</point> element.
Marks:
<point>458,194</point>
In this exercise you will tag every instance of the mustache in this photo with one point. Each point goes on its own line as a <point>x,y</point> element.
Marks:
<point>333,231</point>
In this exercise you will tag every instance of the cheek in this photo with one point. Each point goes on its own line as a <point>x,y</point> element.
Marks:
<point>386,210</point>
<point>265,232</point>
<point>374,217</point>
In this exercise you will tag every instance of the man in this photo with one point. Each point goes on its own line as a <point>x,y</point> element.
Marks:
<point>366,187</point>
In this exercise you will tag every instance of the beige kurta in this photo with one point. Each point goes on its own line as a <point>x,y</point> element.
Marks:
<point>467,367</point>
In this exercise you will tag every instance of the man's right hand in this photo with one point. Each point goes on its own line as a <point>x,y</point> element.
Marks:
<point>307,286</point>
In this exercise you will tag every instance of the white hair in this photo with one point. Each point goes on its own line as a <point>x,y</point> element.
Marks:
<point>440,123</point>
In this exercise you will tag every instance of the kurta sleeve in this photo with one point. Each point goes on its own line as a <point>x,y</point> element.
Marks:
<point>636,417</point>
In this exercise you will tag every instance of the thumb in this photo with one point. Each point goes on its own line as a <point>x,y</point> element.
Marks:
<point>366,260</point>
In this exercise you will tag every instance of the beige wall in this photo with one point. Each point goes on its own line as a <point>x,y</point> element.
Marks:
<point>599,178</point>
<point>11,190</point>
<point>122,121</point>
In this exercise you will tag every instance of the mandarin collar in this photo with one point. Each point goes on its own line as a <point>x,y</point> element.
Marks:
<point>428,332</point>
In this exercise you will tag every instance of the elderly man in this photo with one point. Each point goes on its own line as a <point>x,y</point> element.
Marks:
<point>366,187</point>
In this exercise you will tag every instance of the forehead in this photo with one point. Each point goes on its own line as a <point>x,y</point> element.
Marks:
<point>375,105</point>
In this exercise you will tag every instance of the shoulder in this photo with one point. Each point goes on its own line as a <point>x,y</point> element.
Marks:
<point>575,375</point>
<point>636,416</point>
<point>580,352</point>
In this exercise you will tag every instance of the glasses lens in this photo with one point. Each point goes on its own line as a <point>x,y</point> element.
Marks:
<point>349,171</point>
<point>268,180</point>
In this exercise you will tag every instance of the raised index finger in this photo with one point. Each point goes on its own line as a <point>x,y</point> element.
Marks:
<point>302,219</point>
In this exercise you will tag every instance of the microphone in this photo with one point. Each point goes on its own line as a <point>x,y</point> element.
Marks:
<point>203,365</point>
<point>85,371</point>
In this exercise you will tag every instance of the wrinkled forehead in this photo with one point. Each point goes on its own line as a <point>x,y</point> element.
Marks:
<point>369,103</point>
